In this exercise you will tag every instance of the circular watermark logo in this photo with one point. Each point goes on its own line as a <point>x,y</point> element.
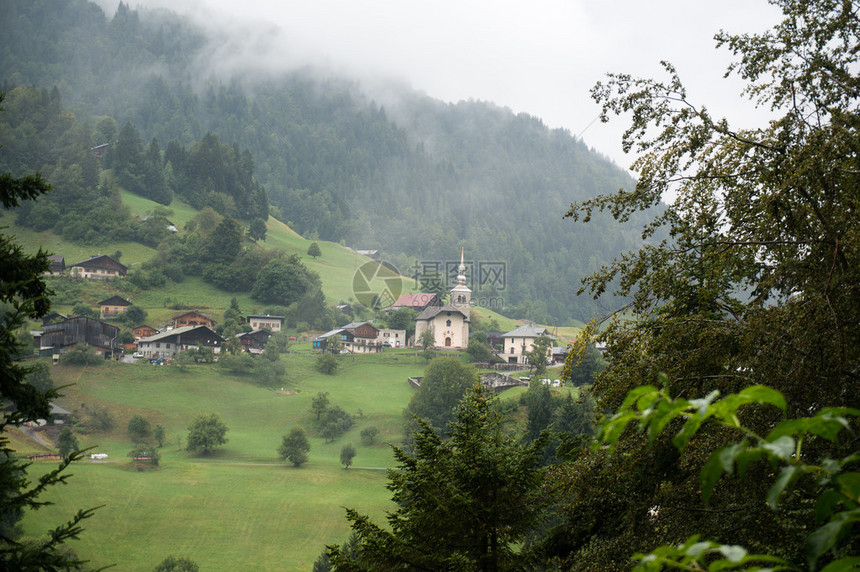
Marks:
<point>377,284</point>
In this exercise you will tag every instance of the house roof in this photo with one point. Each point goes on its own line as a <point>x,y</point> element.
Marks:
<point>114,301</point>
<point>433,311</point>
<point>198,312</point>
<point>527,332</point>
<point>415,300</point>
<point>249,316</point>
<point>354,325</point>
<point>102,262</point>
<point>57,410</point>
<point>178,332</point>
<point>254,333</point>
<point>330,333</point>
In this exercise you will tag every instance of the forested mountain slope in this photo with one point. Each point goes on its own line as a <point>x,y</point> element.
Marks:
<point>412,176</point>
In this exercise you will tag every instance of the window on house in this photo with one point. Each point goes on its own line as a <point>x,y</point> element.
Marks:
<point>448,323</point>
<point>158,344</point>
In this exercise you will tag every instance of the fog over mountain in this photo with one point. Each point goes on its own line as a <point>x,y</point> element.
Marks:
<point>539,58</point>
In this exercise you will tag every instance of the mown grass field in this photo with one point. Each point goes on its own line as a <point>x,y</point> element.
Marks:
<point>239,507</point>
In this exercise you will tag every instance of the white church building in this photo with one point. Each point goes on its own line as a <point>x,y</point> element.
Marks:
<point>449,323</point>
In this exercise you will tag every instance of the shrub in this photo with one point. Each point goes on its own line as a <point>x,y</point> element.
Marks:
<point>82,356</point>
<point>139,429</point>
<point>102,419</point>
<point>327,364</point>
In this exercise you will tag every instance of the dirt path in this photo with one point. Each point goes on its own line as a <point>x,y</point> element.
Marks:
<point>37,434</point>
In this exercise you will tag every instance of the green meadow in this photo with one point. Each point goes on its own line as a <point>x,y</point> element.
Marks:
<point>239,507</point>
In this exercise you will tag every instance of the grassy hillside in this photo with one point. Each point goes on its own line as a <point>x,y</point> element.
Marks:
<point>239,507</point>
<point>337,268</point>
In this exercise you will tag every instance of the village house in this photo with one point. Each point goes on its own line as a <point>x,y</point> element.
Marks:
<point>100,150</point>
<point>559,354</point>
<point>323,342</point>
<point>194,318</point>
<point>520,341</point>
<point>113,306</point>
<point>372,254</point>
<point>449,323</point>
<point>392,338</point>
<point>267,322</point>
<point>56,265</point>
<point>143,331</point>
<point>66,335</point>
<point>254,342</point>
<point>168,344</point>
<point>100,267</point>
<point>53,318</point>
<point>360,338</point>
<point>364,338</point>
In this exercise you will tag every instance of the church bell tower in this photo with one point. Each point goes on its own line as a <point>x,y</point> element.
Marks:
<point>461,296</point>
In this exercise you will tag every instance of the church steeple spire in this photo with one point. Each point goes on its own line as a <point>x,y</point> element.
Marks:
<point>461,295</point>
<point>461,270</point>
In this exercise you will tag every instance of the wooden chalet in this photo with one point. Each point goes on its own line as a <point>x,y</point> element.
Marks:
<point>343,337</point>
<point>64,336</point>
<point>56,264</point>
<point>254,342</point>
<point>365,338</point>
<point>193,318</point>
<point>113,306</point>
<point>100,267</point>
<point>167,344</point>
<point>143,331</point>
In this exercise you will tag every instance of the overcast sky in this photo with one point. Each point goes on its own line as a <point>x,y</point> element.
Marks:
<point>540,57</point>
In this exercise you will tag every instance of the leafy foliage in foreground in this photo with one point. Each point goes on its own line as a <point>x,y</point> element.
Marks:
<point>837,482</point>
<point>758,285</point>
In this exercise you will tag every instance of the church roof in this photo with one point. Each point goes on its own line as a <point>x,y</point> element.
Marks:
<point>415,300</point>
<point>433,311</point>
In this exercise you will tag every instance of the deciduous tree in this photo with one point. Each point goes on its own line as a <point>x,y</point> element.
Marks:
<point>368,435</point>
<point>445,382</point>
<point>319,403</point>
<point>67,442</point>
<point>139,429</point>
<point>295,447</point>
<point>537,356</point>
<point>205,432</point>
<point>347,454</point>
